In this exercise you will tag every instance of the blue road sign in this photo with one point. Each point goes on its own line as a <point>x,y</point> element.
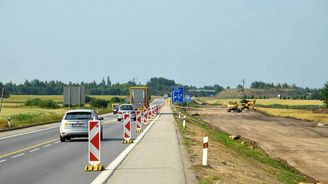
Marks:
<point>188,98</point>
<point>177,95</point>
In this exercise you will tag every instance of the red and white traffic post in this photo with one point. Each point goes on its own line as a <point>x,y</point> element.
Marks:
<point>94,146</point>
<point>145,116</point>
<point>205,151</point>
<point>138,124</point>
<point>150,113</point>
<point>127,129</point>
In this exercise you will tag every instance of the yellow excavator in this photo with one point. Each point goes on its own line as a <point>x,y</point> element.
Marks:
<point>244,104</point>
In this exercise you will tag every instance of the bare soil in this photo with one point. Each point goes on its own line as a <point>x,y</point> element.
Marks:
<point>300,143</point>
<point>225,165</point>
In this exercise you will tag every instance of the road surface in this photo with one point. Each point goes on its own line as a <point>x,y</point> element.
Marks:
<point>39,157</point>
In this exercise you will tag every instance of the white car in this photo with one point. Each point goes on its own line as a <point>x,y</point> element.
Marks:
<point>126,109</point>
<point>75,124</point>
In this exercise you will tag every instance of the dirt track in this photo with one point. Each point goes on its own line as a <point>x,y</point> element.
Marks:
<point>300,143</point>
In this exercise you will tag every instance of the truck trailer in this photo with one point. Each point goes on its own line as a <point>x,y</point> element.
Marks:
<point>139,97</point>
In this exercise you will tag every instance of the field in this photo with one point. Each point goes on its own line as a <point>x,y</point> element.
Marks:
<point>299,143</point>
<point>212,100</point>
<point>23,115</point>
<point>299,109</point>
<point>230,161</point>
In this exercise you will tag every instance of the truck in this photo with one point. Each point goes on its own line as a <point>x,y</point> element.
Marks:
<point>139,97</point>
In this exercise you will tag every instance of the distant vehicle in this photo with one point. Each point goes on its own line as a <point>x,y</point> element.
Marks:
<point>115,107</point>
<point>75,124</point>
<point>126,109</point>
<point>139,97</point>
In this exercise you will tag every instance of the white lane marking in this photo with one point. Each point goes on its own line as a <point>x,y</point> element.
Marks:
<point>57,142</point>
<point>18,155</point>
<point>47,145</point>
<point>109,170</point>
<point>10,136</point>
<point>2,161</point>
<point>33,150</point>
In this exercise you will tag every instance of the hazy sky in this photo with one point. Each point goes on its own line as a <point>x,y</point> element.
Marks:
<point>195,42</point>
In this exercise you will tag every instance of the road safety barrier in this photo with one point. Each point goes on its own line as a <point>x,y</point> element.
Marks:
<point>94,146</point>
<point>127,129</point>
<point>138,124</point>
<point>145,116</point>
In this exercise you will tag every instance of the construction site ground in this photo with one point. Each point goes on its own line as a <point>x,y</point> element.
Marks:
<point>301,144</point>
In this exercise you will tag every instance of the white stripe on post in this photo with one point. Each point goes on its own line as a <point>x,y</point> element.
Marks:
<point>94,143</point>
<point>205,151</point>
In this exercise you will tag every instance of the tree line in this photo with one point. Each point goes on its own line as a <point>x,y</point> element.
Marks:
<point>157,86</point>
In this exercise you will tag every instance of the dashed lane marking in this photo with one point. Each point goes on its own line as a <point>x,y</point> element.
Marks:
<point>47,145</point>
<point>33,150</point>
<point>18,155</point>
<point>28,148</point>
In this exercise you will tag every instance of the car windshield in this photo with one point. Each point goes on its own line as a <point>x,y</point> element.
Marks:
<point>126,107</point>
<point>78,116</point>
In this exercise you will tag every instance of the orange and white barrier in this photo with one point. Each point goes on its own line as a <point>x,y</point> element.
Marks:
<point>145,116</point>
<point>94,146</point>
<point>127,129</point>
<point>138,124</point>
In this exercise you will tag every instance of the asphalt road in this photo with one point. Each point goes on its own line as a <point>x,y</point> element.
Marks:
<point>39,157</point>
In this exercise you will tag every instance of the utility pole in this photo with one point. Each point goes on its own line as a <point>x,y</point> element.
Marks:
<point>244,81</point>
<point>2,95</point>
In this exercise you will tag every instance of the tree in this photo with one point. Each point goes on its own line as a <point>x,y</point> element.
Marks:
<point>324,95</point>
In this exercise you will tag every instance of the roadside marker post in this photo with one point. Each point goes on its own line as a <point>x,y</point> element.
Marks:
<point>150,113</point>
<point>127,129</point>
<point>145,116</point>
<point>205,151</point>
<point>138,124</point>
<point>94,146</point>
<point>9,122</point>
<point>179,115</point>
<point>184,122</point>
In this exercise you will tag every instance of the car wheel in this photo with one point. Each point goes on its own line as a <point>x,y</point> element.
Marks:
<point>101,136</point>
<point>62,139</point>
<point>118,119</point>
<point>68,138</point>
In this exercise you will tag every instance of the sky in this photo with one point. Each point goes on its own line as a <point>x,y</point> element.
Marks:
<point>194,42</point>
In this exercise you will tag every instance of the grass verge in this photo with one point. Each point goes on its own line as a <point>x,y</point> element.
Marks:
<point>278,169</point>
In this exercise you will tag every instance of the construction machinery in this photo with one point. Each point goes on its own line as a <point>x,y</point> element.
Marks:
<point>244,104</point>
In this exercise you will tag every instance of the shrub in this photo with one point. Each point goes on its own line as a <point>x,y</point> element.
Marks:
<point>48,104</point>
<point>99,103</point>
<point>41,103</point>
<point>88,99</point>
<point>115,100</point>
<point>33,102</point>
<point>324,95</point>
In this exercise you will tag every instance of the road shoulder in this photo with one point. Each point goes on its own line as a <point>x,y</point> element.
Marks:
<point>157,157</point>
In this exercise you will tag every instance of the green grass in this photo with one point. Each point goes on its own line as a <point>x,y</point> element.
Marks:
<point>286,174</point>
<point>282,106</point>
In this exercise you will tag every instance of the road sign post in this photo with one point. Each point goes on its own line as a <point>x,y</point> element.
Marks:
<point>138,124</point>
<point>94,146</point>
<point>127,129</point>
